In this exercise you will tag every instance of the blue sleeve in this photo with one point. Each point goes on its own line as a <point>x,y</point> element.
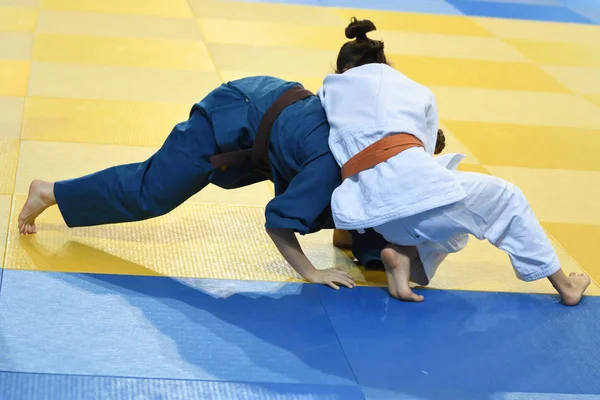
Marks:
<point>305,205</point>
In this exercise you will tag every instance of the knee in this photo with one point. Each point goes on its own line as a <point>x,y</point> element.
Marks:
<point>342,239</point>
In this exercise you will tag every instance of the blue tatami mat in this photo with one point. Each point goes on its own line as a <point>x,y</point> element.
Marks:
<point>21,386</point>
<point>288,339</point>
<point>116,325</point>
<point>467,345</point>
<point>518,11</point>
<point>423,6</point>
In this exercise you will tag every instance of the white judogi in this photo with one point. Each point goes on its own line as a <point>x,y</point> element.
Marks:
<point>414,199</point>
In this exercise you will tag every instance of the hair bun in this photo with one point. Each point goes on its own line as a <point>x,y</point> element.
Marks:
<point>359,28</point>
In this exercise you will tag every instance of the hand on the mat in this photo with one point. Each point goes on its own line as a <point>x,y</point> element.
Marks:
<point>332,277</point>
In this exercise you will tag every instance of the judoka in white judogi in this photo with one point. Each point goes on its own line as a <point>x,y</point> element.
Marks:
<point>415,199</point>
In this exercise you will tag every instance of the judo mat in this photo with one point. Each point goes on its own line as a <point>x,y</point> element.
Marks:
<point>198,304</point>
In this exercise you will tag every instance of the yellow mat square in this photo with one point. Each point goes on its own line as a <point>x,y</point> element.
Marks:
<point>101,121</point>
<point>272,60</point>
<point>94,24</point>
<point>13,77</point>
<point>161,8</point>
<point>17,19</point>
<point>9,148</point>
<point>287,13</point>
<point>4,218</point>
<point>257,195</point>
<point>120,83</point>
<point>455,145</point>
<point>594,99</point>
<point>516,107</point>
<point>199,251</point>
<point>476,73</point>
<point>11,113</point>
<point>581,242</point>
<point>20,3</point>
<point>557,195</point>
<point>127,52</point>
<point>15,46</point>
<point>275,34</point>
<point>53,161</point>
<point>530,146</point>
<point>542,31</point>
<point>223,242</point>
<point>577,79</point>
<point>569,54</point>
<point>480,169</point>
<point>448,46</point>
<point>482,267</point>
<point>417,22</point>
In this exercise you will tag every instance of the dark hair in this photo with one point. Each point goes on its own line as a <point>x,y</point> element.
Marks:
<point>361,50</point>
<point>440,143</point>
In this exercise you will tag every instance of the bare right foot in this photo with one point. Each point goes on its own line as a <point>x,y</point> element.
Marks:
<point>397,269</point>
<point>570,288</point>
<point>40,197</point>
<point>571,296</point>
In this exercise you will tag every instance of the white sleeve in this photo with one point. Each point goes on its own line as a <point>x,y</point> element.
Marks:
<point>431,116</point>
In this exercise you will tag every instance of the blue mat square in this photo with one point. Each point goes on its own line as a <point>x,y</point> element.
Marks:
<point>166,328</point>
<point>467,344</point>
<point>423,6</point>
<point>593,14</point>
<point>21,386</point>
<point>538,2</point>
<point>581,3</point>
<point>518,11</point>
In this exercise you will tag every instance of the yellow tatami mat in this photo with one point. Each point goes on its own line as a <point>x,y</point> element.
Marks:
<point>229,242</point>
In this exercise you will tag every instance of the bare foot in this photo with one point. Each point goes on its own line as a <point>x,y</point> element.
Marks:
<point>571,295</point>
<point>40,197</point>
<point>397,269</point>
<point>570,288</point>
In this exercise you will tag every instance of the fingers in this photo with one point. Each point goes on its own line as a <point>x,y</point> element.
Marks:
<point>344,273</point>
<point>349,283</point>
<point>334,286</point>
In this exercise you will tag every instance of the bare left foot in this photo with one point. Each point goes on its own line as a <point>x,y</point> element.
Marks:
<point>397,269</point>
<point>570,288</point>
<point>40,197</point>
<point>571,296</point>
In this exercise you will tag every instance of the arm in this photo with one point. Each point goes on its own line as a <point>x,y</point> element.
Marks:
<point>304,207</point>
<point>286,242</point>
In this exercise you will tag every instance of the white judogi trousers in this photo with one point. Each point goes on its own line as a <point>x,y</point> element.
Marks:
<point>494,209</point>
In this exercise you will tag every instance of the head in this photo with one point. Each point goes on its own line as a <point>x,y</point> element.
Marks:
<point>361,50</point>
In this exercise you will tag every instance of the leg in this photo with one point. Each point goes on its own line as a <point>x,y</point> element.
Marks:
<point>498,211</point>
<point>397,261</point>
<point>132,192</point>
<point>342,239</point>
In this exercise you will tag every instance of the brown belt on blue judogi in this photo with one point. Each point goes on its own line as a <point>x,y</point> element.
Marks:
<point>259,153</point>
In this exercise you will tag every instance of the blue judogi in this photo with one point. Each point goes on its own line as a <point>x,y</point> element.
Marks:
<point>304,171</point>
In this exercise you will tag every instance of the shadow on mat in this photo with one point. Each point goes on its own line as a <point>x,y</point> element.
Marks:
<point>217,327</point>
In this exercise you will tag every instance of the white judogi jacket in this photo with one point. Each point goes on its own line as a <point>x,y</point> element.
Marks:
<point>365,104</point>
